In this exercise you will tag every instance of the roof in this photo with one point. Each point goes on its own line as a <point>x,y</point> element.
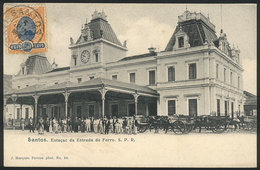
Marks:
<point>251,99</point>
<point>97,83</point>
<point>101,29</point>
<point>36,64</point>
<point>139,56</point>
<point>59,69</point>
<point>7,83</point>
<point>197,31</point>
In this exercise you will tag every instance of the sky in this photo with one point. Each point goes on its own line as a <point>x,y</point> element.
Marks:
<point>143,26</point>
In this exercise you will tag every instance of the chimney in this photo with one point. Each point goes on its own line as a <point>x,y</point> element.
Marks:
<point>151,49</point>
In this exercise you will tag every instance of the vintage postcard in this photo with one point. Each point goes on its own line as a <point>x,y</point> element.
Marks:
<point>129,85</point>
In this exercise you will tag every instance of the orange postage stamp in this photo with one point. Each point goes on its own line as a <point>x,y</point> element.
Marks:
<point>25,29</point>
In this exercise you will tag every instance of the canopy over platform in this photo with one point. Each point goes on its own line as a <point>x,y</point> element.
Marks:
<point>94,84</point>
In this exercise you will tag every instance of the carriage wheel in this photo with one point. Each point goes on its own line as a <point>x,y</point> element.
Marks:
<point>189,128</point>
<point>178,127</point>
<point>251,126</point>
<point>142,129</point>
<point>219,128</point>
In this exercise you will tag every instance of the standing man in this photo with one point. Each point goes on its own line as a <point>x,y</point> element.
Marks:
<point>95,124</point>
<point>88,124</point>
<point>92,124</point>
<point>31,125</point>
<point>107,125</point>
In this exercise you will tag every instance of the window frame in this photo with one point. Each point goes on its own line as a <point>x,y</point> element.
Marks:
<point>226,108</point>
<point>89,105</point>
<point>27,113</point>
<point>171,66</point>
<point>217,71</point>
<point>149,77</point>
<point>219,109</point>
<point>18,113</point>
<point>224,75</point>
<point>188,102</point>
<point>113,104</point>
<point>96,57</point>
<point>188,70</point>
<point>167,105</point>
<point>182,38</point>
<point>79,79</point>
<point>134,73</point>
<point>75,61</point>
<point>114,75</point>
<point>231,77</point>
<point>238,81</point>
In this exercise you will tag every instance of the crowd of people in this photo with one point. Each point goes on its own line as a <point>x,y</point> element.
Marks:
<point>106,125</point>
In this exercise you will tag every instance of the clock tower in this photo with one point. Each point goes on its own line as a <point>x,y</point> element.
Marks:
<point>97,44</point>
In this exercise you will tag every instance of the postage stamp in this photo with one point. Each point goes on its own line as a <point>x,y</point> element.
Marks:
<point>25,29</point>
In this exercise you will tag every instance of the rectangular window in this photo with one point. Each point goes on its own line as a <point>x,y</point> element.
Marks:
<point>225,74</point>
<point>231,77</point>
<point>114,110</point>
<point>218,107</point>
<point>132,77</point>
<point>56,83</point>
<point>26,113</point>
<point>131,109</point>
<point>232,110</point>
<point>181,42</point>
<point>171,74</point>
<point>226,108</point>
<point>18,87</point>
<point>238,82</point>
<point>91,77</point>
<point>114,77</point>
<point>75,61</point>
<point>79,80</point>
<point>217,71</point>
<point>18,113</point>
<point>23,70</point>
<point>96,54</point>
<point>79,111</point>
<point>91,110</point>
<point>171,107</point>
<point>151,77</point>
<point>44,111</point>
<point>193,108</point>
<point>192,71</point>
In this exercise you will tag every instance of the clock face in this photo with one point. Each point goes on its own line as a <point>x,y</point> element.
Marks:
<point>85,55</point>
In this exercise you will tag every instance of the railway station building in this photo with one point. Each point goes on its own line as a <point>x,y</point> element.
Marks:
<point>198,73</point>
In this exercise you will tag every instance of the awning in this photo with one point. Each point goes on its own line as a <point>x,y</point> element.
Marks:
<point>94,84</point>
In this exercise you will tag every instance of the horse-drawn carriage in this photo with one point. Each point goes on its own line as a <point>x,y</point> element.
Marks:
<point>217,124</point>
<point>183,124</point>
<point>248,122</point>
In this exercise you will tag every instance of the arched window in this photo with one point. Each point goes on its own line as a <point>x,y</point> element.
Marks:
<point>96,54</point>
